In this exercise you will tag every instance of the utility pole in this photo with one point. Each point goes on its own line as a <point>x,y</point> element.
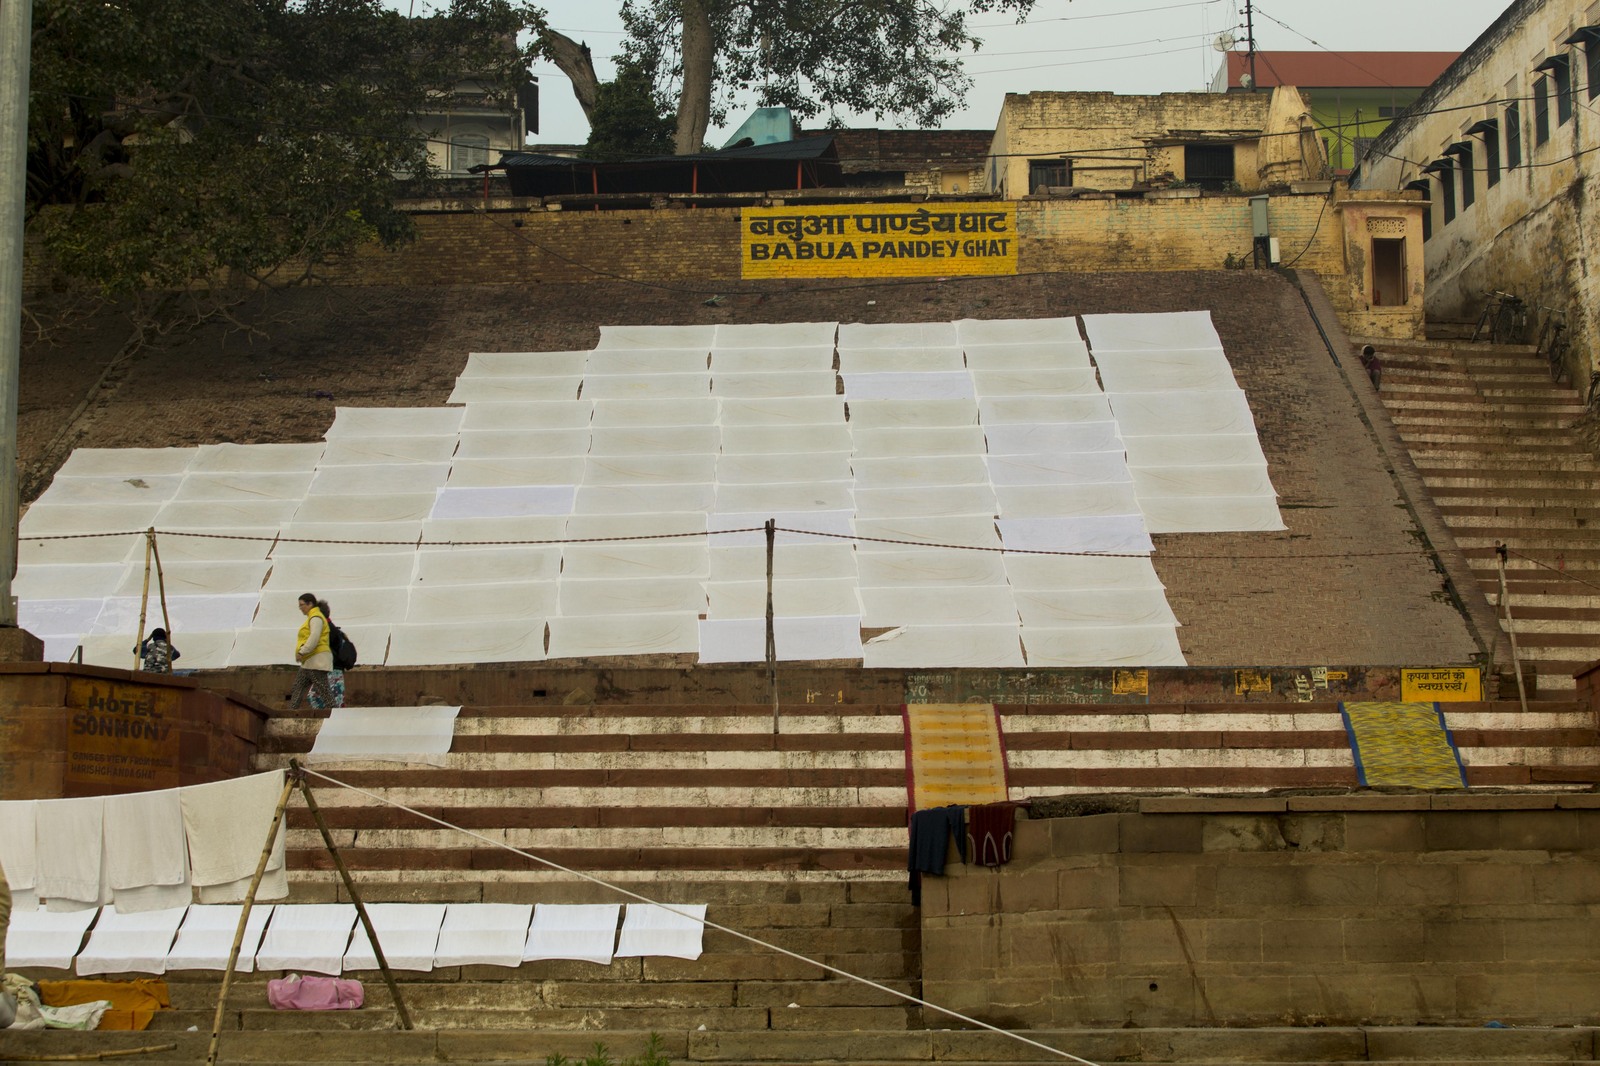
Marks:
<point>1250,40</point>
<point>16,36</point>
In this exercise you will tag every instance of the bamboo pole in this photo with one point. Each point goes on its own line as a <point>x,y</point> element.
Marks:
<point>244,917</point>
<point>161,589</point>
<point>772,637</point>
<point>1511,630</point>
<point>144,597</point>
<point>355,897</point>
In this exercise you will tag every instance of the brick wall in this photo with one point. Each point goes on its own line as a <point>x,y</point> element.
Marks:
<point>519,246</point>
<point>1192,233</point>
<point>1355,909</point>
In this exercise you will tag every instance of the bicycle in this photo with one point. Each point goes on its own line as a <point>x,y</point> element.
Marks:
<point>1505,317</point>
<point>1553,342</point>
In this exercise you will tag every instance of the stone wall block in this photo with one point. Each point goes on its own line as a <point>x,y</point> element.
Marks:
<point>1455,940</point>
<point>1164,885</point>
<point>1404,884</point>
<point>1397,939</point>
<point>1093,834</point>
<point>1384,832</point>
<point>1162,833</point>
<point>1084,888</point>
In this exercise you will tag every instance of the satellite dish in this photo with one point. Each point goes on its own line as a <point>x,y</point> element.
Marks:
<point>1246,81</point>
<point>1225,41</point>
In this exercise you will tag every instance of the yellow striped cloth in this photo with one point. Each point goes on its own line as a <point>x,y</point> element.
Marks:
<point>1402,745</point>
<point>954,754</point>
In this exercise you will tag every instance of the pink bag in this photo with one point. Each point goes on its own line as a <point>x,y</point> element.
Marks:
<point>314,993</point>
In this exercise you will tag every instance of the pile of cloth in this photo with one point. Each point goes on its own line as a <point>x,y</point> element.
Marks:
<point>82,1004</point>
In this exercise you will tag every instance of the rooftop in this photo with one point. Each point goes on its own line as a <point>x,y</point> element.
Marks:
<point>1322,70</point>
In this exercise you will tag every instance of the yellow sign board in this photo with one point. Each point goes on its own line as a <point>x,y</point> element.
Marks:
<point>1247,681</point>
<point>121,737</point>
<point>878,240</point>
<point>1458,685</point>
<point>1130,682</point>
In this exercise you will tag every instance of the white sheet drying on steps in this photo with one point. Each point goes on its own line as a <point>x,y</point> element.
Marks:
<point>651,929</point>
<point>385,734</point>
<point>130,943</point>
<point>585,932</point>
<point>407,932</point>
<point>483,934</point>
<point>1173,331</point>
<point>206,937</point>
<point>46,938</point>
<point>310,936</point>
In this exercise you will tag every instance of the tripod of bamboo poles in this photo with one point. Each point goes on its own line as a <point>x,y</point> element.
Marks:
<point>151,553</point>
<point>292,780</point>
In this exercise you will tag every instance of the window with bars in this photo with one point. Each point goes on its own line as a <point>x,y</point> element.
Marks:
<point>1043,173</point>
<point>1208,165</point>
<point>1513,135</point>
<point>1541,112</point>
<point>468,150</point>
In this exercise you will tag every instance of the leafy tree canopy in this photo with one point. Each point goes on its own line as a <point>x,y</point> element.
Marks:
<point>896,59</point>
<point>173,141</point>
<point>628,120</point>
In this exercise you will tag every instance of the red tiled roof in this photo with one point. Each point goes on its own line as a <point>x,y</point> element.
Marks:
<point>1342,70</point>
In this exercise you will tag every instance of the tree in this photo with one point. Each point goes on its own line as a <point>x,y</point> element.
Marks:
<point>886,58</point>
<point>627,119</point>
<point>173,141</point>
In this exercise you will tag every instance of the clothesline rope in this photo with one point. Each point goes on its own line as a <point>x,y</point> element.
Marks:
<point>855,537</point>
<point>684,914</point>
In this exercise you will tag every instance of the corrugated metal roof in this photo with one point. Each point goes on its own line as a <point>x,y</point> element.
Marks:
<point>1341,70</point>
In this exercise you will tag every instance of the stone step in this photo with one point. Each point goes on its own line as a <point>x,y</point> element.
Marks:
<point>1488,460</point>
<point>1454,373</point>
<point>1557,480</point>
<point>1534,542</point>
<point>1514,497</point>
<point>1507,409</point>
<point>1538,594</point>
<point>325,1042</point>
<point>1516,451</point>
<point>1493,424</point>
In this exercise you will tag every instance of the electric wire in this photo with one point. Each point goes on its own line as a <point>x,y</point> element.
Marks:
<point>854,537</point>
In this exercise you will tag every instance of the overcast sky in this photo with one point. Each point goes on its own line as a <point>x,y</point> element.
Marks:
<point>1125,46</point>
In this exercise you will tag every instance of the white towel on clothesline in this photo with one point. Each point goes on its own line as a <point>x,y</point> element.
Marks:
<point>17,849</point>
<point>147,856</point>
<point>226,823</point>
<point>68,846</point>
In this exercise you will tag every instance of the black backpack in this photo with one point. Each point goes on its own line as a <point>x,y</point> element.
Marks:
<point>343,648</point>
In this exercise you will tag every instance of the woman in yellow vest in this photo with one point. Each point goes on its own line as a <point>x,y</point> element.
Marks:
<point>311,651</point>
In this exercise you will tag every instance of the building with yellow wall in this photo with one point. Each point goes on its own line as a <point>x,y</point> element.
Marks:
<point>1105,141</point>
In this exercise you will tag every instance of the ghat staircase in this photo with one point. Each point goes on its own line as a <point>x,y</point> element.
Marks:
<point>795,836</point>
<point>1501,448</point>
